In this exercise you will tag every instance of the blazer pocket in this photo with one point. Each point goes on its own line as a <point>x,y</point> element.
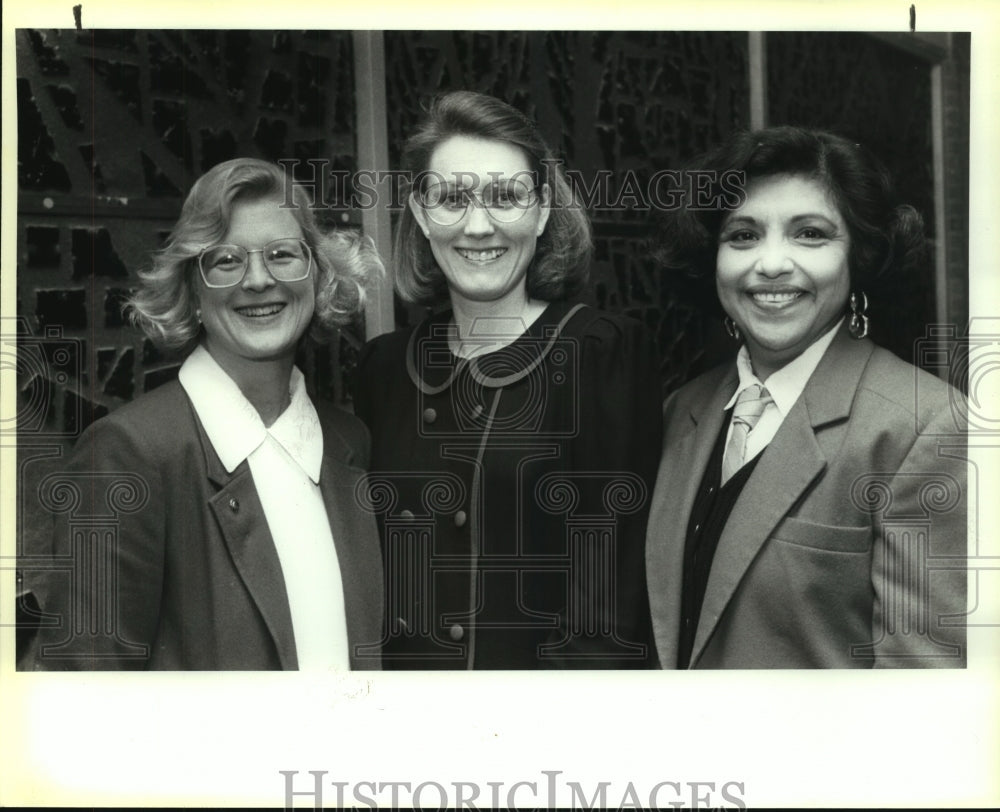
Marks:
<point>824,536</point>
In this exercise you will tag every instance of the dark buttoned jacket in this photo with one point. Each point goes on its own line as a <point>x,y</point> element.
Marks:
<point>512,491</point>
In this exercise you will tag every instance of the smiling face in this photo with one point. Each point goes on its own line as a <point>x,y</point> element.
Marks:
<point>483,260</point>
<point>260,319</point>
<point>781,270</point>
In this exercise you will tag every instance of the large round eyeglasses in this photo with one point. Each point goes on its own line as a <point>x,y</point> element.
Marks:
<point>287,260</point>
<point>446,204</point>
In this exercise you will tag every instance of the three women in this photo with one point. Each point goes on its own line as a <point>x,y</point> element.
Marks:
<point>801,498</point>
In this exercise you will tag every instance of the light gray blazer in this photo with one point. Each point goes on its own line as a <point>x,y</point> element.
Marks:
<point>846,547</point>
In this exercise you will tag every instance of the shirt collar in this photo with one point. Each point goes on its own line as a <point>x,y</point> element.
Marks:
<point>432,367</point>
<point>786,384</point>
<point>297,428</point>
<point>232,424</point>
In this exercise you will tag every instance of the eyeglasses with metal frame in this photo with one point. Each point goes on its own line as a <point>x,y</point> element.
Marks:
<point>224,266</point>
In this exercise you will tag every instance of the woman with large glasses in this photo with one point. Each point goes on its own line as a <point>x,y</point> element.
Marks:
<point>237,541</point>
<point>515,434</point>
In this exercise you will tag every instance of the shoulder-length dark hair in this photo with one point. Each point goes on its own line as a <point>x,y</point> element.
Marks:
<point>166,303</point>
<point>561,262</point>
<point>886,238</point>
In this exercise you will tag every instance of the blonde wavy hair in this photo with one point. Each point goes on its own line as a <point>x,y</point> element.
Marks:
<point>165,305</point>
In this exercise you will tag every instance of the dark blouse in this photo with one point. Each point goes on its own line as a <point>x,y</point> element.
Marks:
<point>512,492</point>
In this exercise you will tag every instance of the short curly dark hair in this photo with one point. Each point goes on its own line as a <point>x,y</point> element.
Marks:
<point>886,238</point>
<point>561,263</point>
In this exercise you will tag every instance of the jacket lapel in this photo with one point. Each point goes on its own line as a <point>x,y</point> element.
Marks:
<point>355,538</point>
<point>244,529</point>
<point>685,457</point>
<point>786,469</point>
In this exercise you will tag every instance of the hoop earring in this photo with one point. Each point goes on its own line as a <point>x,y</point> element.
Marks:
<point>731,329</point>
<point>858,325</point>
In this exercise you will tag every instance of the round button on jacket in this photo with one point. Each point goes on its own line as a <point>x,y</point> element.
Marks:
<point>456,632</point>
<point>460,519</point>
<point>430,415</point>
<point>234,504</point>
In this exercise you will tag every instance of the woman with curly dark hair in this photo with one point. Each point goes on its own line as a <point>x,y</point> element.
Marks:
<point>236,540</point>
<point>515,433</point>
<point>802,495</point>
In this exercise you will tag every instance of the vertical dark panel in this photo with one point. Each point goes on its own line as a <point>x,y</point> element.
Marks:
<point>876,94</point>
<point>955,90</point>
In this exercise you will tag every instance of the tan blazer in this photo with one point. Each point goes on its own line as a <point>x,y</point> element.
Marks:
<point>845,548</point>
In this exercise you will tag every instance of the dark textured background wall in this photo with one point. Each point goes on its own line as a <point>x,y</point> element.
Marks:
<point>114,126</point>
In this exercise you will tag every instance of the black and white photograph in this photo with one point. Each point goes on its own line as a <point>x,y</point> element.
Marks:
<point>623,379</point>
